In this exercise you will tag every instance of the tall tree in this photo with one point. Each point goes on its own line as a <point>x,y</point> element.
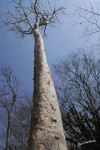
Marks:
<point>46,130</point>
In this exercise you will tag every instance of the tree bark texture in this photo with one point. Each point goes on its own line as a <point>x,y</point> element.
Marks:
<point>46,132</point>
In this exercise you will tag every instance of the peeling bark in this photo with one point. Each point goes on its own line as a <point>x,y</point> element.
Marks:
<point>46,131</point>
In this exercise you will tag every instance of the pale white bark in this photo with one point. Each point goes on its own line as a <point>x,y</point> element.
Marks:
<point>46,131</point>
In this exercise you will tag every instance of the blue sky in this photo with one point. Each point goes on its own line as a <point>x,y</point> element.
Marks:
<point>61,41</point>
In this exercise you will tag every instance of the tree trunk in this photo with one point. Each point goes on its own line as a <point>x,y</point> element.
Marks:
<point>8,132</point>
<point>46,132</point>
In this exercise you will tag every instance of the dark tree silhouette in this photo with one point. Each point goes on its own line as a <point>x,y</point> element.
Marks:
<point>79,94</point>
<point>9,86</point>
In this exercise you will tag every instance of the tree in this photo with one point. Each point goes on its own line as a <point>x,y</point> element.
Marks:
<point>46,130</point>
<point>15,112</point>
<point>90,15</point>
<point>78,90</point>
<point>21,122</point>
<point>9,86</point>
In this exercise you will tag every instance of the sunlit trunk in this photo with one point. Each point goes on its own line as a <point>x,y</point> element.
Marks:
<point>46,131</point>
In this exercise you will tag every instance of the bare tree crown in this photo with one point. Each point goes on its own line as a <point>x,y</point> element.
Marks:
<point>24,15</point>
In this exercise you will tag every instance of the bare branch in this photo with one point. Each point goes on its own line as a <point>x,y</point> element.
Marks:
<point>90,19</point>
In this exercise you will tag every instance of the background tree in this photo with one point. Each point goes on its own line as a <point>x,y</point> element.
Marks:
<point>78,88</point>
<point>15,112</point>
<point>90,17</point>
<point>9,86</point>
<point>21,123</point>
<point>46,131</point>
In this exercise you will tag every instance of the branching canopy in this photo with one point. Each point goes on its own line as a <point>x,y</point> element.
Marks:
<point>90,16</point>
<point>22,17</point>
